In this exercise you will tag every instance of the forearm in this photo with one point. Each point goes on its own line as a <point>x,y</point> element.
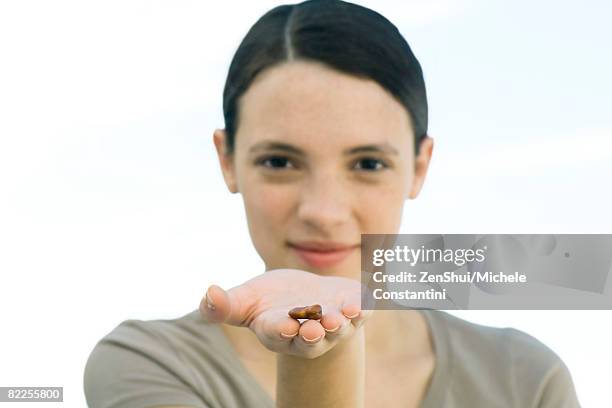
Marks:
<point>335,380</point>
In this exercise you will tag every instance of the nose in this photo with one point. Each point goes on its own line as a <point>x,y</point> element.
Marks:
<point>324,203</point>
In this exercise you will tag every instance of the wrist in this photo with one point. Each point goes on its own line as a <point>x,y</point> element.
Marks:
<point>334,379</point>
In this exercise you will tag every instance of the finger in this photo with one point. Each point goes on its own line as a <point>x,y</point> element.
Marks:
<point>279,326</point>
<point>352,308</point>
<point>311,332</point>
<point>332,321</point>
<point>209,305</point>
<point>353,312</point>
<point>233,307</point>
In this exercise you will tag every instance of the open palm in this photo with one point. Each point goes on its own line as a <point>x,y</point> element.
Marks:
<point>263,302</point>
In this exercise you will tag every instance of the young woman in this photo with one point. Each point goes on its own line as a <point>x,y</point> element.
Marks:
<point>325,138</point>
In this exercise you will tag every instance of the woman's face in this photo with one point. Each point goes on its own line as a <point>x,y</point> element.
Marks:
<point>320,158</point>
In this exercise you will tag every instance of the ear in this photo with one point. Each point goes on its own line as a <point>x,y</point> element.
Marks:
<point>226,161</point>
<point>421,166</point>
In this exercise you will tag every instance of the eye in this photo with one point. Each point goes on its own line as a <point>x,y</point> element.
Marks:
<point>275,162</point>
<point>370,164</point>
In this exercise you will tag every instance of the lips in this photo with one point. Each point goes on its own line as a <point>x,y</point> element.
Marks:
<point>322,254</point>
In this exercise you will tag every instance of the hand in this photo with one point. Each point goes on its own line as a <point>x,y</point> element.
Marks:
<point>262,304</point>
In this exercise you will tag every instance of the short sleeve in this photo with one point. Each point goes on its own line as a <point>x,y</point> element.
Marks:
<point>559,390</point>
<point>119,377</point>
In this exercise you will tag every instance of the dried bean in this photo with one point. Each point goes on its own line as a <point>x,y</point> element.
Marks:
<point>306,312</point>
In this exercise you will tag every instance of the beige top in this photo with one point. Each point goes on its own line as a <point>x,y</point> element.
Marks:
<point>190,362</point>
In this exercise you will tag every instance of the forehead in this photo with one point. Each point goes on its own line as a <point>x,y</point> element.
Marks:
<point>309,103</point>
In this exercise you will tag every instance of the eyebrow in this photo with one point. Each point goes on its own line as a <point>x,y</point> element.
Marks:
<point>370,148</point>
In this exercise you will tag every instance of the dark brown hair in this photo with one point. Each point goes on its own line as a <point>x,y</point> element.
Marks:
<point>344,36</point>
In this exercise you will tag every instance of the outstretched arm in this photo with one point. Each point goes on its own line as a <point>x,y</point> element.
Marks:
<point>319,362</point>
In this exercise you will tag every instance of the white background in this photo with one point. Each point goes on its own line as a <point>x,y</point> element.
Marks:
<point>112,205</point>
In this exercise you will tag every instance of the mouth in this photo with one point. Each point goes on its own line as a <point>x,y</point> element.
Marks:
<point>322,254</point>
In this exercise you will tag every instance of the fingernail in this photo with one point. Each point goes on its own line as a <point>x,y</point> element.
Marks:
<point>289,336</point>
<point>332,330</point>
<point>209,302</point>
<point>353,316</point>
<point>312,340</point>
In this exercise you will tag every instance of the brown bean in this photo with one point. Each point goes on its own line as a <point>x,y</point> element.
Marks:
<point>307,312</point>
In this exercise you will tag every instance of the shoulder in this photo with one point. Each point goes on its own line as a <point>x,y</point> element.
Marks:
<point>142,363</point>
<point>499,343</point>
<point>506,362</point>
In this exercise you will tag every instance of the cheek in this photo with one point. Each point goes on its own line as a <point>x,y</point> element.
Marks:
<point>380,208</point>
<point>268,208</point>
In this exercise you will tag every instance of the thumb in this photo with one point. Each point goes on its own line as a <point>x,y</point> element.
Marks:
<point>231,306</point>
